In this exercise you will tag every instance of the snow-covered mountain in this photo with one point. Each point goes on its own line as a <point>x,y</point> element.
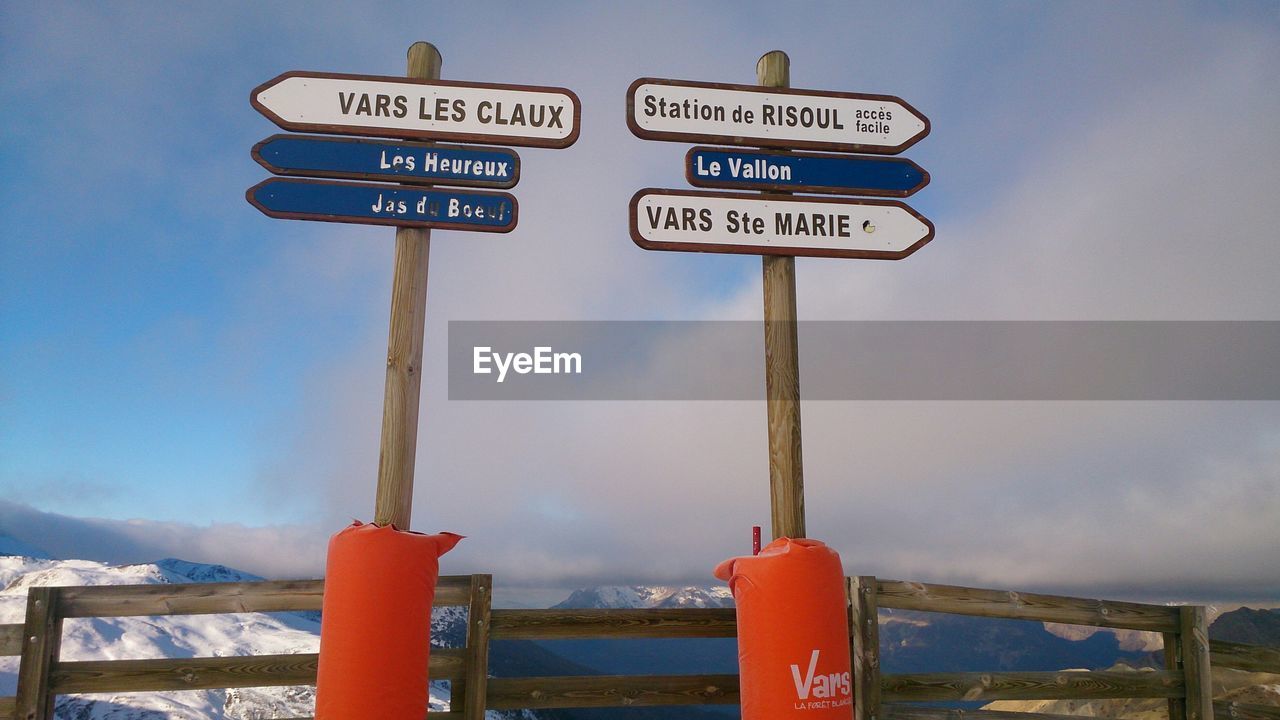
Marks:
<point>648,596</point>
<point>179,636</point>
<point>652,656</point>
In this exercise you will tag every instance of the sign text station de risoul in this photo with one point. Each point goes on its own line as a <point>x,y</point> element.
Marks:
<point>776,224</point>
<point>435,109</point>
<point>686,111</point>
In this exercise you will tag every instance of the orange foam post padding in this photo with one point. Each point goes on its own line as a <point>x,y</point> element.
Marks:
<point>375,628</point>
<point>793,632</point>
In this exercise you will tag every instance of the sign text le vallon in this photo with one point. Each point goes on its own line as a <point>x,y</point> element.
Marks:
<point>445,109</point>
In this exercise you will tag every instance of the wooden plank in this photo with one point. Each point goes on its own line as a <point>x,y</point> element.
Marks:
<point>864,627</point>
<point>477,651</point>
<point>1237,656</point>
<point>1177,707</point>
<point>192,598</point>
<point>651,623</point>
<point>11,639</point>
<point>1244,711</point>
<point>206,598</point>
<point>42,638</point>
<point>402,392</point>
<point>895,711</point>
<point>782,361</point>
<point>612,691</point>
<point>8,708</point>
<point>208,673</point>
<point>1067,685</point>
<point>1025,606</point>
<point>1194,634</point>
<point>452,590</point>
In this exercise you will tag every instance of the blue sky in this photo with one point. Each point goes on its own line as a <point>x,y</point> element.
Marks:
<point>171,357</point>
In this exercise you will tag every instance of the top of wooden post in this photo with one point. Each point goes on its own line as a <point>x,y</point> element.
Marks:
<point>424,61</point>
<point>773,69</point>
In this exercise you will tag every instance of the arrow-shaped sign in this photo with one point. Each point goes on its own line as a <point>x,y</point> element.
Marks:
<point>803,172</point>
<point>685,111</point>
<point>370,204</point>
<point>388,160</point>
<point>405,108</point>
<point>776,225</point>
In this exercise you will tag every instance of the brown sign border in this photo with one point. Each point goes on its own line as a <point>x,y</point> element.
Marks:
<point>394,222</point>
<point>697,181</point>
<point>376,131</point>
<point>639,239</point>
<point>406,179</point>
<point>738,140</point>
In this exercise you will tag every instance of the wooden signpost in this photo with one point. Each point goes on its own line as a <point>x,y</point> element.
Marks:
<point>780,226</point>
<point>418,106</point>
<point>782,361</point>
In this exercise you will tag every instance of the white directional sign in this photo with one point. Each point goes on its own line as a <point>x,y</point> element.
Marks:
<point>776,225</point>
<point>686,111</point>
<point>435,109</point>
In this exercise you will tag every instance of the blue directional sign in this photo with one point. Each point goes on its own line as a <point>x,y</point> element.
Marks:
<point>370,204</point>
<point>388,160</point>
<point>803,172</point>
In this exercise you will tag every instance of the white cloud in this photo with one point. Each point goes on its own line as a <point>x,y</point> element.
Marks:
<point>283,551</point>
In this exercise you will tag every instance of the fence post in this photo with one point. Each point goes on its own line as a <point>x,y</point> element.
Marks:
<point>477,680</point>
<point>1173,663</point>
<point>864,629</point>
<point>41,639</point>
<point>1194,636</point>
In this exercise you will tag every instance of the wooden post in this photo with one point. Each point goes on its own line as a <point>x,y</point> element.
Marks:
<point>404,349</point>
<point>477,680</point>
<point>782,361</point>
<point>864,629</point>
<point>1194,632</point>
<point>41,639</point>
<point>1173,663</point>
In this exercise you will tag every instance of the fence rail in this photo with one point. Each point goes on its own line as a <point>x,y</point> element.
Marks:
<point>1185,681</point>
<point>1025,606</point>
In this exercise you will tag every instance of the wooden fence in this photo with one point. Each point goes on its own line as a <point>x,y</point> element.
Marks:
<point>1185,681</point>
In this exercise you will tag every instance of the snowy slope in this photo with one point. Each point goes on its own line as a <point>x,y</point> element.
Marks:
<point>648,596</point>
<point>177,637</point>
